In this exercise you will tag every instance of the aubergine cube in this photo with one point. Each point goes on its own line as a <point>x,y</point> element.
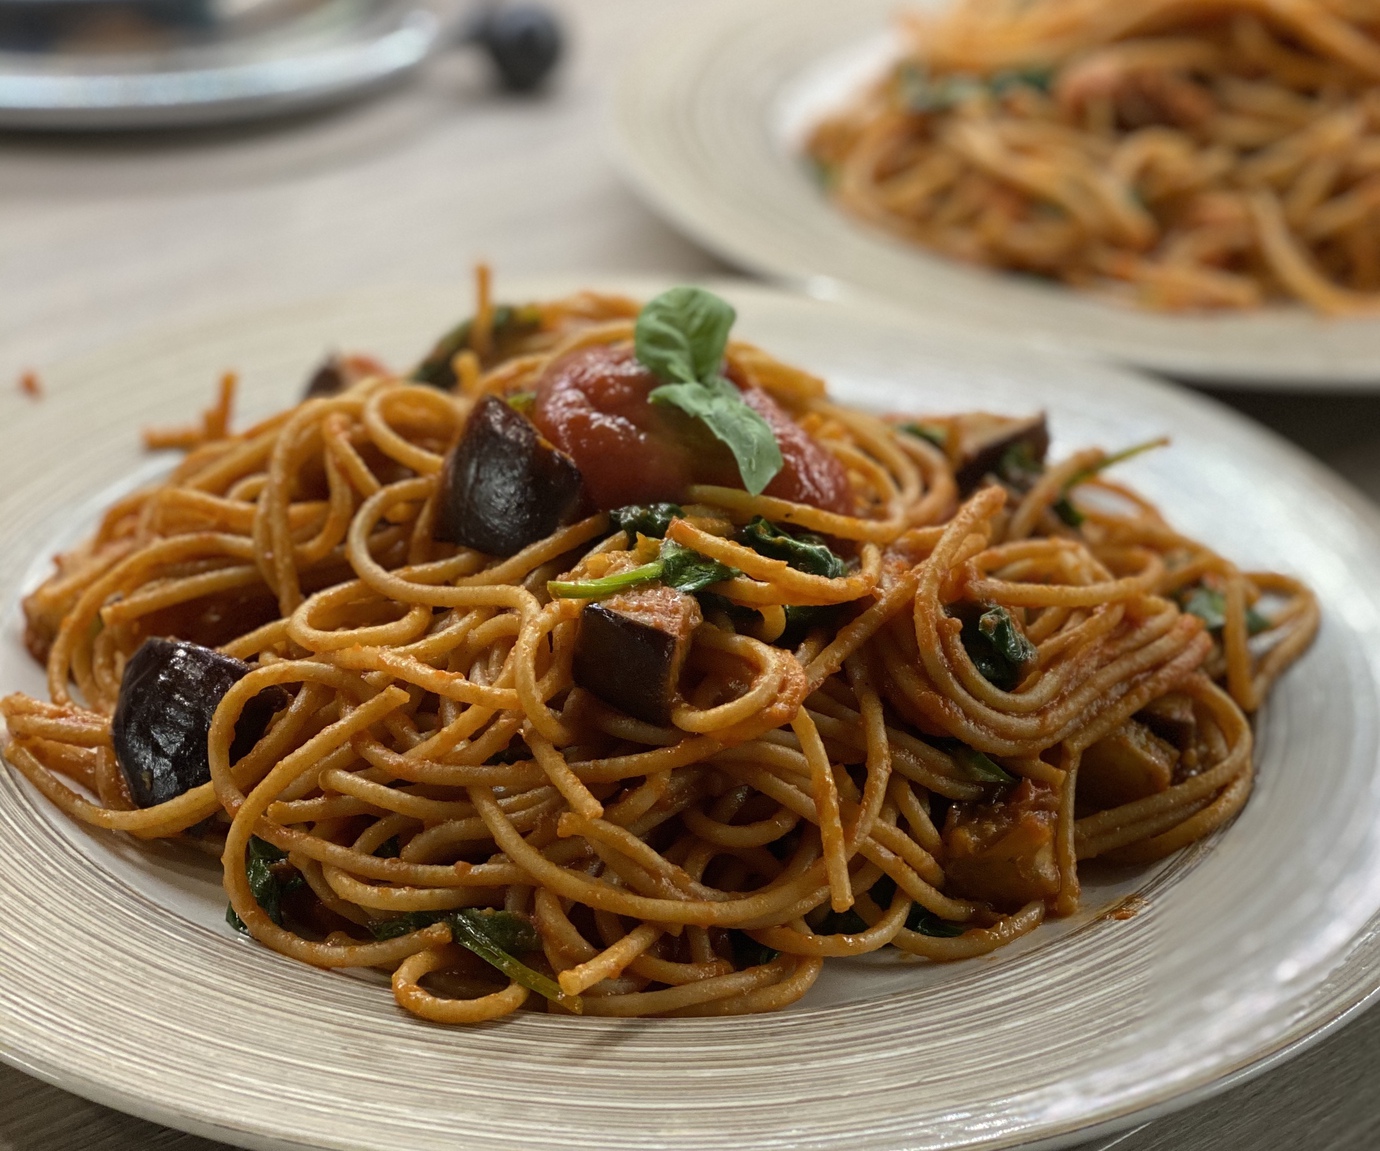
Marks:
<point>327,380</point>
<point>168,696</point>
<point>503,486</point>
<point>1172,718</point>
<point>631,649</point>
<point>1127,764</point>
<point>981,442</point>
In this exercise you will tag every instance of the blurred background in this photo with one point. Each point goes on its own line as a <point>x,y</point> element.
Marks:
<point>173,160</point>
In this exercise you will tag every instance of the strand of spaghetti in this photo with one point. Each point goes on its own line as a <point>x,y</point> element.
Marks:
<point>411,996</point>
<point>610,962</point>
<point>602,895</point>
<point>826,801</point>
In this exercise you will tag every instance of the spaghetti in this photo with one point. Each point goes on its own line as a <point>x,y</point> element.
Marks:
<point>1183,154</point>
<point>900,724</point>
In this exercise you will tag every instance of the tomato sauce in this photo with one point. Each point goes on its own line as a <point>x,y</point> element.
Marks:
<point>593,405</point>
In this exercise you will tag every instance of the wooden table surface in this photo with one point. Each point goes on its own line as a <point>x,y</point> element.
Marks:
<point>101,237</point>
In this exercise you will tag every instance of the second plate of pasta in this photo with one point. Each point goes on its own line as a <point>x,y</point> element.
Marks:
<point>1168,192</point>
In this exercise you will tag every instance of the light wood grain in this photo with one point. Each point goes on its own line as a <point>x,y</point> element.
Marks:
<point>100,237</point>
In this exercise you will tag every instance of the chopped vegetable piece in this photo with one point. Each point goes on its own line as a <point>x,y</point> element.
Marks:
<point>933,433</point>
<point>263,867</point>
<point>482,933</point>
<point>747,952</point>
<point>1003,852</point>
<point>630,650</point>
<point>406,924</point>
<point>995,644</point>
<point>805,552</point>
<point>982,768</point>
<point>1172,718</point>
<point>510,326</point>
<point>926,922</point>
<point>1210,606</point>
<point>1127,764</point>
<point>605,585</point>
<point>503,486</point>
<point>677,567</point>
<point>681,336</point>
<point>1083,475</point>
<point>168,695</point>
<point>686,570</point>
<point>337,373</point>
<point>522,402</point>
<point>650,520</point>
<point>983,445</point>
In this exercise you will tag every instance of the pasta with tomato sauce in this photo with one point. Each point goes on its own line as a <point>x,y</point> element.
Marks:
<point>602,664</point>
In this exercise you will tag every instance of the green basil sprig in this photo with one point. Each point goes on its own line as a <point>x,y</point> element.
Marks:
<point>681,336</point>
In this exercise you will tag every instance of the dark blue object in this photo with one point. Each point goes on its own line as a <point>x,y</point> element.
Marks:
<point>168,695</point>
<point>524,41</point>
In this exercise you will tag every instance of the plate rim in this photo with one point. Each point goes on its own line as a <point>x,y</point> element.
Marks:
<point>1310,1027</point>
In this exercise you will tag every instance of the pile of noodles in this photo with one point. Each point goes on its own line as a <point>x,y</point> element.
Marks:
<point>1186,153</point>
<point>667,870</point>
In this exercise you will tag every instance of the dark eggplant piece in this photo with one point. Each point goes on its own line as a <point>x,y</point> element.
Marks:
<point>503,486</point>
<point>982,441</point>
<point>1127,764</point>
<point>168,695</point>
<point>631,649</point>
<point>337,373</point>
<point>1003,852</point>
<point>1172,718</point>
<point>327,380</point>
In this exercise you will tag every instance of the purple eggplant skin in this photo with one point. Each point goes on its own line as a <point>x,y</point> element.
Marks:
<point>327,380</point>
<point>631,648</point>
<point>983,454</point>
<point>503,486</point>
<point>168,695</point>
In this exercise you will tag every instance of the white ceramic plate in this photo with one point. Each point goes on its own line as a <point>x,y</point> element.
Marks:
<point>119,979</point>
<point>709,120</point>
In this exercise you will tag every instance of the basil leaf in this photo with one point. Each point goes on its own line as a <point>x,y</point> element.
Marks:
<point>389,849</point>
<point>928,923</point>
<point>644,519</point>
<point>747,952</point>
<point>720,407</point>
<point>406,924</point>
<point>484,933</point>
<point>981,768</point>
<point>1210,606</point>
<point>933,433</point>
<point>686,570</point>
<point>266,884</point>
<point>681,335</point>
<point>805,552</point>
<point>995,644</point>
